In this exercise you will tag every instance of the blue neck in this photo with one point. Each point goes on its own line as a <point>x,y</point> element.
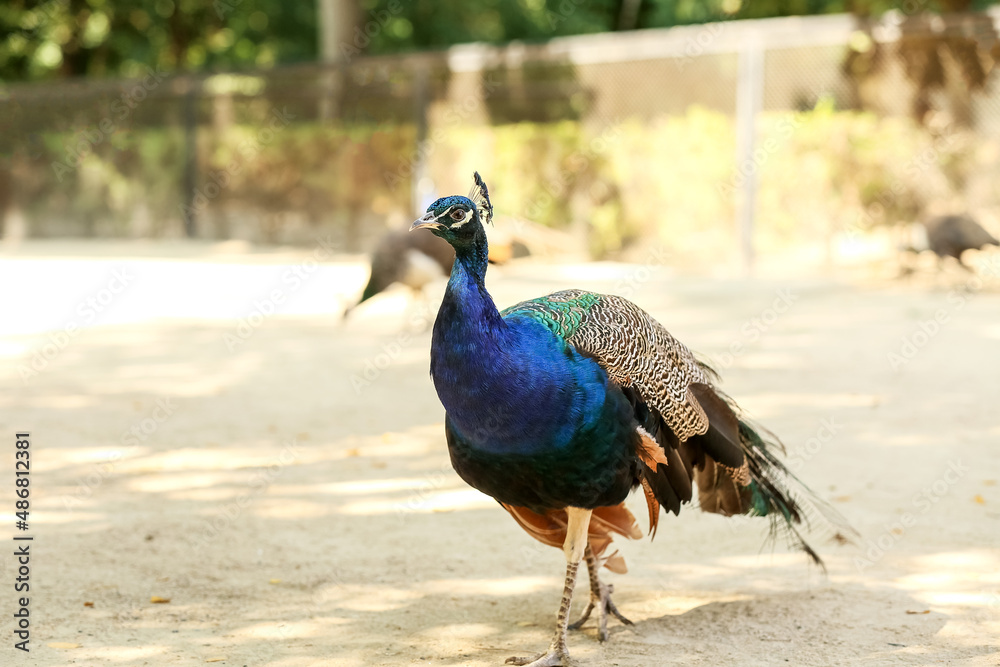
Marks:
<point>507,385</point>
<point>466,297</point>
<point>469,335</point>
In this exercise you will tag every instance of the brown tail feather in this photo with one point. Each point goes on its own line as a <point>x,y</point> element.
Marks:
<point>653,506</point>
<point>550,529</point>
<point>722,440</point>
<point>718,491</point>
<point>664,474</point>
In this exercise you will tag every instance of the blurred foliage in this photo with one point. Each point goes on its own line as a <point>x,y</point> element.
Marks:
<point>269,187</point>
<point>63,38</point>
<point>670,182</point>
<point>836,171</point>
<point>41,39</point>
<point>937,58</point>
<point>911,7</point>
<point>535,91</point>
<point>309,169</point>
<point>125,187</point>
<point>424,24</point>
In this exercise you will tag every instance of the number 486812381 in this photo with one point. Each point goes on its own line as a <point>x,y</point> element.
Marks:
<point>22,470</point>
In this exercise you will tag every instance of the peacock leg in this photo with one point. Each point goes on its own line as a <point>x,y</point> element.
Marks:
<point>600,597</point>
<point>573,547</point>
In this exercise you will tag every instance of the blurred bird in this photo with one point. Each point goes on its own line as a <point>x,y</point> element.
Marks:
<point>414,260</point>
<point>951,235</point>
<point>558,407</point>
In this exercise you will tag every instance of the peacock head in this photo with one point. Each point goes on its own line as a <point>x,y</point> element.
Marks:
<point>456,219</point>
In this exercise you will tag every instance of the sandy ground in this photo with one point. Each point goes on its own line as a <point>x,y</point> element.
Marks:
<point>285,482</point>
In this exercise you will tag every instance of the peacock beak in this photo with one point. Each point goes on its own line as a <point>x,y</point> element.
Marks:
<point>429,220</point>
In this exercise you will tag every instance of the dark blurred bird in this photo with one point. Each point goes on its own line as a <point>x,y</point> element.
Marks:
<point>558,407</point>
<point>951,235</point>
<point>414,260</point>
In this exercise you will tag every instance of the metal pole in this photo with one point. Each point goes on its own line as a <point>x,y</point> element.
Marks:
<point>749,98</point>
<point>420,171</point>
<point>331,28</point>
<point>190,176</point>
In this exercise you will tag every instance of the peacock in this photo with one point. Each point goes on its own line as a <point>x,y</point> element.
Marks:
<point>560,406</point>
<point>952,235</point>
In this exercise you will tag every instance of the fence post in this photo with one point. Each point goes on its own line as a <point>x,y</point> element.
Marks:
<point>190,176</point>
<point>421,98</point>
<point>749,98</point>
<point>332,27</point>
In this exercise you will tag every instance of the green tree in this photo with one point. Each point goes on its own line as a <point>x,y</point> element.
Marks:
<point>67,38</point>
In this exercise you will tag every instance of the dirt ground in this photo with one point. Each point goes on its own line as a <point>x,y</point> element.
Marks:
<point>213,435</point>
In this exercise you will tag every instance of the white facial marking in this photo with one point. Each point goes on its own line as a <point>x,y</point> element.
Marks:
<point>455,224</point>
<point>446,212</point>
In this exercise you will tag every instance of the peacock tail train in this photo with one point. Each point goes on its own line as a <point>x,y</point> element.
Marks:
<point>690,431</point>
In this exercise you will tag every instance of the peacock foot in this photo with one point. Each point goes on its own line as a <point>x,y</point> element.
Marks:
<point>557,655</point>
<point>601,600</point>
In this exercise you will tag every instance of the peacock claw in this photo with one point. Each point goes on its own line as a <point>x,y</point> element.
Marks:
<point>600,597</point>
<point>554,658</point>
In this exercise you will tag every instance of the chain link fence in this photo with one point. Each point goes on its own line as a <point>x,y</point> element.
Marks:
<point>726,139</point>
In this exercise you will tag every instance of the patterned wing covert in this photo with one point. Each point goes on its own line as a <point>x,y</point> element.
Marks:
<point>631,346</point>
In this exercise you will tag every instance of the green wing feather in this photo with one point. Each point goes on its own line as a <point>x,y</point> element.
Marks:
<point>561,312</point>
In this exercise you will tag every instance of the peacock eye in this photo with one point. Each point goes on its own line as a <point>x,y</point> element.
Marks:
<point>458,216</point>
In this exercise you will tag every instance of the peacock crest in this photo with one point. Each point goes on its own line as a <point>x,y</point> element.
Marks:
<point>480,196</point>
